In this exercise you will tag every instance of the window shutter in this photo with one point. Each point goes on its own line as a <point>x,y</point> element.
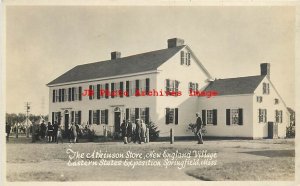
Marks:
<point>53,96</point>
<point>182,57</point>
<point>121,89</point>
<point>176,85</point>
<point>106,116</point>
<point>147,86</point>
<point>112,89</point>
<point>137,114</point>
<point>240,116</point>
<point>72,116</point>
<point>79,117</point>
<point>127,114</point>
<point>80,93</point>
<point>90,89</point>
<point>266,116</point>
<point>98,91</point>
<point>73,93</point>
<point>167,85</point>
<point>127,88</point>
<point>90,117</point>
<point>63,95</point>
<point>215,117</point>
<point>137,85</point>
<point>204,117</point>
<point>52,117</point>
<point>227,116</point>
<point>106,90</point>
<point>167,115</point>
<point>176,116</point>
<point>98,117</point>
<point>147,117</point>
<point>59,95</point>
<point>70,95</point>
<point>281,116</point>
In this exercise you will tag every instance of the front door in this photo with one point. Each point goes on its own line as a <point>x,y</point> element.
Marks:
<point>117,122</point>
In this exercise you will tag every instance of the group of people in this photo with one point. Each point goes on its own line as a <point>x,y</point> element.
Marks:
<point>52,132</point>
<point>135,132</point>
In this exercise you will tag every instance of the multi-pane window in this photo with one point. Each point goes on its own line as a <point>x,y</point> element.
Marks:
<point>171,115</point>
<point>266,88</point>
<point>185,58</point>
<point>262,115</point>
<point>210,119</point>
<point>278,116</point>
<point>132,87</point>
<point>235,116</point>
<point>143,114</point>
<point>56,95</point>
<point>193,86</point>
<point>102,116</point>
<point>95,117</point>
<point>77,118</point>
<point>259,99</point>
<point>172,85</point>
<point>132,114</point>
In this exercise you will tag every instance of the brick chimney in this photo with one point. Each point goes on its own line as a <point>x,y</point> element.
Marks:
<point>175,42</point>
<point>115,55</point>
<point>265,69</point>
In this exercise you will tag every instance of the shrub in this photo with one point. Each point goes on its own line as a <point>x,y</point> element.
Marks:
<point>290,131</point>
<point>153,131</point>
<point>193,127</point>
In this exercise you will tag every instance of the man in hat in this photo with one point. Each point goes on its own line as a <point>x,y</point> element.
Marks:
<point>199,128</point>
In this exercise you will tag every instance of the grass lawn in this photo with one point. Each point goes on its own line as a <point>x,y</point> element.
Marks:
<point>236,160</point>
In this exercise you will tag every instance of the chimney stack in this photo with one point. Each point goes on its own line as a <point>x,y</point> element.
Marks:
<point>175,42</point>
<point>265,69</point>
<point>115,55</point>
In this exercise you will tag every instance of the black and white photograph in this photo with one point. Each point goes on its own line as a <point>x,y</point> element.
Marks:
<point>169,92</point>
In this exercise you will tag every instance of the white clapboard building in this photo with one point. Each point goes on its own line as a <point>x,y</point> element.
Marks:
<point>248,107</point>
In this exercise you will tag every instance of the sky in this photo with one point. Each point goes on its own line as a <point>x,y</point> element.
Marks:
<point>43,42</point>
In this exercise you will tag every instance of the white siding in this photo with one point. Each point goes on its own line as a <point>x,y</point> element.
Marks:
<point>261,129</point>
<point>187,105</point>
<point>221,103</point>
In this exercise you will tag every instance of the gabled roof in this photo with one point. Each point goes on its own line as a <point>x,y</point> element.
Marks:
<point>131,64</point>
<point>235,86</point>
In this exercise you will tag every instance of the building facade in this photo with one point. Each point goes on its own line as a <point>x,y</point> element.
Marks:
<point>155,86</point>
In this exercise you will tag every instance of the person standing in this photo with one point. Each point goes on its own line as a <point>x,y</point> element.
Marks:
<point>129,131</point>
<point>43,130</point>
<point>55,129</point>
<point>138,131</point>
<point>59,134</point>
<point>7,128</point>
<point>74,132</point>
<point>50,132</point>
<point>124,127</point>
<point>199,128</point>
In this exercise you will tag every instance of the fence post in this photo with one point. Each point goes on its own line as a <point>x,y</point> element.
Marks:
<point>171,136</point>
<point>105,132</point>
<point>147,135</point>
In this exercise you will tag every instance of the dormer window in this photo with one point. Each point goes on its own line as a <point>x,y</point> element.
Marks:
<point>185,58</point>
